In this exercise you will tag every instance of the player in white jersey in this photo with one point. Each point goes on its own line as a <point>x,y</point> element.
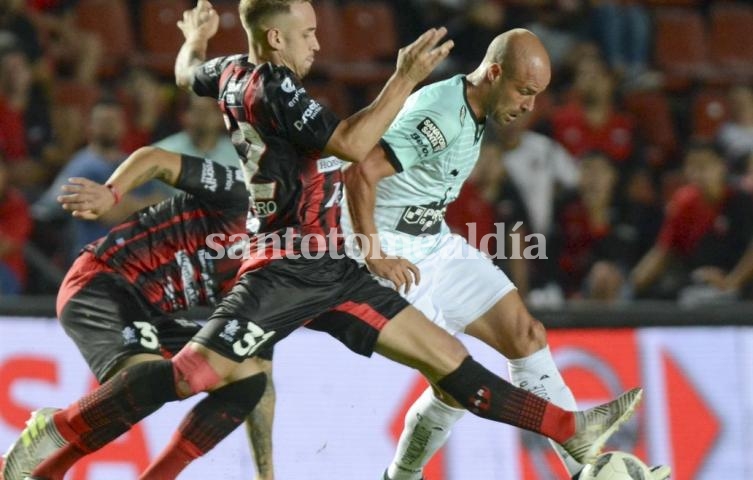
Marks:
<point>397,198</point>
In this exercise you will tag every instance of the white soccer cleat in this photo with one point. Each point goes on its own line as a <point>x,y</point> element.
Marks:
<point>38,440</point>
<point>594,426</point>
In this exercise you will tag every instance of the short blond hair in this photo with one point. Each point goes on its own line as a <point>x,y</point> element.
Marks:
<point>253,12</point>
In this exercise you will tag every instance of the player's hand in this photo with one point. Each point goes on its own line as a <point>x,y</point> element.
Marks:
<point>712,276</point>
<point>86,199</point>
<point>399,271</point>
<point>200,23</point>
<point>417,60</point>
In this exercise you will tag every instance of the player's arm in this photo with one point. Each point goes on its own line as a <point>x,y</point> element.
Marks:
<point>198,25</point>
<point>355,136</point>
<point>361,181</point>
<point>649,268</point>
<point>90,200</point>
<point>742,273</point>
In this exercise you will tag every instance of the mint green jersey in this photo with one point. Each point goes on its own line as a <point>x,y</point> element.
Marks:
<point>434,144</point>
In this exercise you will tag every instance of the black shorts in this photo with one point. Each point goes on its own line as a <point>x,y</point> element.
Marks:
<point>326,294</point>
<point>109,321</point>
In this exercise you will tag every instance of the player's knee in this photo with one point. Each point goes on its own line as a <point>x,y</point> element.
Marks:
<point>528,335</point>
<point>193,373</point>
<point>450,354</point>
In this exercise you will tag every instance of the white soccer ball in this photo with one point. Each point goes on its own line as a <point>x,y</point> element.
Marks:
<point>616,466</point>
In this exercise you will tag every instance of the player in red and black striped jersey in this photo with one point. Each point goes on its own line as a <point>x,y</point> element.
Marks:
<point>281,134</point>
<point>117,299</point>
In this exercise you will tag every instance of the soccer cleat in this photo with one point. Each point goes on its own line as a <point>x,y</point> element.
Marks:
<point>594,426</point>
<point>37,441</point>
<point>658,472</point>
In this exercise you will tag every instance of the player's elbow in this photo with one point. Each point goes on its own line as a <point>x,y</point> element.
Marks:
<point>353,176</point>
<point>183,78</point>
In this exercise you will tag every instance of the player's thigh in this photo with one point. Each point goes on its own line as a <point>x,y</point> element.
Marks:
<point>509,328</point>
<point>411,339</point>
<point>468,284</point>
<point>109,322</point>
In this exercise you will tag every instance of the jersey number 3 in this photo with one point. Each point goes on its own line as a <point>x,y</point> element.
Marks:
<point>254,338</point>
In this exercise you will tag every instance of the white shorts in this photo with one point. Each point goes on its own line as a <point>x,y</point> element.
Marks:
<point>458,284</point>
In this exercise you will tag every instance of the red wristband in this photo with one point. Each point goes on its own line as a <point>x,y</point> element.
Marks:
<point>114,192</point>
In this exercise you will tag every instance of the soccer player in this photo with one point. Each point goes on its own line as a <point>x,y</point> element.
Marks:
<point>118,299</point>
<point>397,198</point>
<point>282,134</point>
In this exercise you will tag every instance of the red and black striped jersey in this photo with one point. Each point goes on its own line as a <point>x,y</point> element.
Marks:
<point>279,132</point>
<point>181,252</point>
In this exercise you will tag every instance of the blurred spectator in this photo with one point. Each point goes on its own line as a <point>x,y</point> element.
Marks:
<point>145,103</point>
<point>623,30</point>
<point>15,21</point>
<point>592,120</point>
<point>592,249</point>
<point>96,162</point>
<point>203,133</point>
<point>735,137</point>
<point>539,167</point>
<point>15,230</point>
<point>708,225</point>
<point>25,128</point>
<point>469,23</point>
<point>560,27</point>
<point>74,53</point>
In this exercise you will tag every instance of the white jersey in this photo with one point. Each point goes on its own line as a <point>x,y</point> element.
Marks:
<point>433,144</point>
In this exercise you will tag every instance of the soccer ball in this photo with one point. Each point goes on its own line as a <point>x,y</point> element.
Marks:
<point>616,466</point>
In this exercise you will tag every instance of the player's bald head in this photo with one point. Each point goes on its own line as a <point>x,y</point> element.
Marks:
<point>517,50</point>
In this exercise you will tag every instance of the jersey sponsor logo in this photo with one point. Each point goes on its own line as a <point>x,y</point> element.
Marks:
<point>422,219</point>
<point>328,164</point>
<point>263,191</point>
<point>309,114</point>
<point>463,114</point>
<point>287,85</point>
<point>206,278</point>
<point>265,208</point>
<point>296,97</point>
<point>208,178</point>
<point>212,67</point>
<point>187,277</point>
<point>433,134</point>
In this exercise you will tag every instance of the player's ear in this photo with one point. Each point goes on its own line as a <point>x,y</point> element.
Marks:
<point>274,38</point>
<point>493,72</point>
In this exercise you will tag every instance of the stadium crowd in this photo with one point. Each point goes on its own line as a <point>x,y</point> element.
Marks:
<point>636,165</point>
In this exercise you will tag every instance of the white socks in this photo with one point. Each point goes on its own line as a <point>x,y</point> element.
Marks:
<point>538,374</point>
<point>427,427</point>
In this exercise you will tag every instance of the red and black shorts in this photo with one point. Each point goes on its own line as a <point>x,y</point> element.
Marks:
<point>109,320</point>
<point>326,294</point>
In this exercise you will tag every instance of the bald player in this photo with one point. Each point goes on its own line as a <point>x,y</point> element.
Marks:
<point>397,198</point>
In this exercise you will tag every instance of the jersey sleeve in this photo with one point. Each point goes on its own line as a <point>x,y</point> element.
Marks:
<point>300,118</point>
<point>675,223</point>
<point>206,77</point>
<point>420,133</point>
<point>212,182</point>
